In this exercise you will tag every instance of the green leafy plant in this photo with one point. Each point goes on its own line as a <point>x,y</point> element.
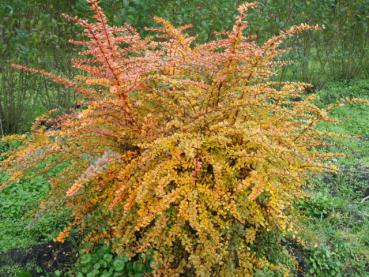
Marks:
<point>105,263</point>
<point>324,262</point>
<point>318,206</point>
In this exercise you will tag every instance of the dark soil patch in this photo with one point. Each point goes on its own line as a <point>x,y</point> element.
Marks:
<point>297,250</point>
<point>48,257</point>
<point>355,176</point>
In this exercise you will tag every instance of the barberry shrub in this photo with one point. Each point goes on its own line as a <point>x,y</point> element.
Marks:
<point>188,151</point>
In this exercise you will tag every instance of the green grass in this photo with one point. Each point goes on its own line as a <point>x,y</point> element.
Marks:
<point>336,224</point>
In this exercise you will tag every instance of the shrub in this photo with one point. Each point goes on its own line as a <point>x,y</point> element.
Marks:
<point>188,152</point>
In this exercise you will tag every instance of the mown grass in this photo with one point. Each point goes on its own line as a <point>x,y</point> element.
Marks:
<point>334,226</point>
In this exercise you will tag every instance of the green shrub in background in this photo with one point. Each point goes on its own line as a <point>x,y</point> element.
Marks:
<point>339,52</point>
<point>29,31</point>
